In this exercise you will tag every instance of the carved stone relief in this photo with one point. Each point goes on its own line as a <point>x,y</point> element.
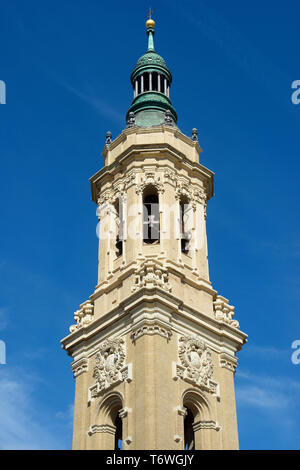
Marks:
<point>83,316</point>
<point>195,364</point>
<point>183,187</point>
<point>225,312</point>
<point>117,190</point>
<point>151,274</point>
<point>110,368</point>
<point>150,179</point>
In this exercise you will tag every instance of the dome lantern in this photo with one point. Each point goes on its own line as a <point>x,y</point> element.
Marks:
<point>151,80</point>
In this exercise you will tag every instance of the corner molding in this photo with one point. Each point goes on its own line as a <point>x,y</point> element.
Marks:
<point>151,328</point>
<point>79,367</point>
<point>150,274</point>
<point>228,362</point>
<point>146,323</point>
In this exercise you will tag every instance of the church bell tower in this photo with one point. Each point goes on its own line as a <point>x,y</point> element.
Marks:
<point>154,347</point>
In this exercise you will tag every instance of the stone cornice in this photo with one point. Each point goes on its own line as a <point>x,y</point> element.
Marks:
<point>120,275</point>
<point>145,323</point>
<point>163,151</point>
<point>80,366</point>
<point>182,314</point>
<point>150,130</point>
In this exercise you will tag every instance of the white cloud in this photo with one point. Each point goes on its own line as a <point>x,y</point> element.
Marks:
<point>267,352</point>
<point>267,392</point>
<point>261,397</point>
<point>67,416</point>
<point>279,382</point>
<point>22,424</point>
<point>99,105</point>
<point>272,398</point>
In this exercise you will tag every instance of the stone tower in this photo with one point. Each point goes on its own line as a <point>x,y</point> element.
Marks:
<point>154,347</point>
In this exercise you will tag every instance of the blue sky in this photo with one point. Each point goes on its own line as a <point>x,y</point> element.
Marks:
<point>66,65</point>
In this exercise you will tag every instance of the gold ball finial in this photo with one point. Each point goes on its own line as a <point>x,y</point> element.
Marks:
<point>150,23</point>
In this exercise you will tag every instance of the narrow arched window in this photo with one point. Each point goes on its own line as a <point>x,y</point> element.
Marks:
<point>118,207</point>
<point>118,434</point>
<point>189,436</point>
<point>151,222</point>
<point>109,418</point>
<point>184,233</point>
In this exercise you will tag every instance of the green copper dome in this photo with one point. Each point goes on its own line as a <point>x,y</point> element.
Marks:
<point>150,61</point>
<point>151,58</point>
<point>151,80</point>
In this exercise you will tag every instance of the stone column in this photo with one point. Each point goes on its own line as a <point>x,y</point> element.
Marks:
<point>178,229</point>
<point>124,227</point>
<point>229,419</point>
<point>80,421</point>
<point>201,241</point>
<point>152,403</point>
<point>111,241</point>
<point>125,415</point>
<point>140,233</point>
<point>202,436</point>
<point>161,220</point>
<point>102,437</point>
<point>194,234</point>
<point>180,412</point>
<point>142,83</point>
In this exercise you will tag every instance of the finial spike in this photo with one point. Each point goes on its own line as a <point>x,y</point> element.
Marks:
<point>150,14</point>
<point>150,23</point>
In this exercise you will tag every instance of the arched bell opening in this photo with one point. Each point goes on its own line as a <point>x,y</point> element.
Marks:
<point>184,232</point>
<point>197,421</point>
<point>151,216</point>
<point>118,211</point>
<point>110,422</point>
<point>189,436</point>
<point>119,433</point>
